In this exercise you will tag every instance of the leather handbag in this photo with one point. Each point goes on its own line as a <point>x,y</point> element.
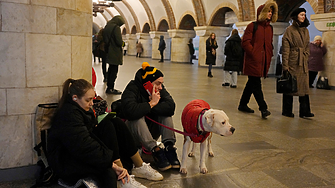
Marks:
<point>287,83</point>
<point>322,83</point>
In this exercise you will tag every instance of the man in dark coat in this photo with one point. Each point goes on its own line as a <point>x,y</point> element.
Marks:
<point>113,44</point>
<point>161,48</point>
<point>258,48</point>
<point>138,104</point>
<point>191,50</point>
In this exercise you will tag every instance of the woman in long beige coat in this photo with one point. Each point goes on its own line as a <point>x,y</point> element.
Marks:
<point>295,56</point>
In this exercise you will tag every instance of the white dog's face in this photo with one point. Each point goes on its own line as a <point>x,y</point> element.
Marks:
<point>218,122</point>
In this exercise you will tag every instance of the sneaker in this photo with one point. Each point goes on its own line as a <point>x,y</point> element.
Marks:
<point>161,160</point>
<point>114,91</point>
<point>171,155</point>
<point>131,184</point>
<point>233,86</point>
<point>306,115</point>
<point>245,109</point>
<point>288,114</point>
<point>265,113</point>
<point>147,172</point>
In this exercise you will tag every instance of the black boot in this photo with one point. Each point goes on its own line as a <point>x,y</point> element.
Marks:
<point>287,105</point>
<point>210,74</point>
<point>160,159</point>
<point>305,109</point>
<point>171,155</point>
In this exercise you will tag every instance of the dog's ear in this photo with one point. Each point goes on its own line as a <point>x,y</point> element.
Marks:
<point>210,119</point>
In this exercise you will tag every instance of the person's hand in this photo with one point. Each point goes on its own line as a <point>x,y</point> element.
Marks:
<point>155,97</point>
<point>121,173</point>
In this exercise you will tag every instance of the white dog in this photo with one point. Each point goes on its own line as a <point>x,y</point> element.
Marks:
<point>198,119</point>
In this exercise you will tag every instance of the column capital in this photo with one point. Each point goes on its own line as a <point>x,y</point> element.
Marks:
<point>143,36</point>
<point>157,34</point>
<point>279,27</point>
<point>207,30</point>
<point>324,22</point>
<point>131,36</point>
<point>181,33</point>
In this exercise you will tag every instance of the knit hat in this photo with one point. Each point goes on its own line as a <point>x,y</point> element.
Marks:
<point>317,37</point>
<point>150,73</point>
<point>297,11</point>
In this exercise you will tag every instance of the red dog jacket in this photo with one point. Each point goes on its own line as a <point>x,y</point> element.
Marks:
<point>189,119</point>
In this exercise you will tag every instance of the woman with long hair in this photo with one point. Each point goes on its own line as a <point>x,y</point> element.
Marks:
<point>295,53</point>
<point>79,147</point>
<point>211,46</point>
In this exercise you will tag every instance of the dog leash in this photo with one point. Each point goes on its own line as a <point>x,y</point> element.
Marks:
<point>172,129</point>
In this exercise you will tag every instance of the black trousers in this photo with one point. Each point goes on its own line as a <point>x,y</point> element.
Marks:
<point>112,74</point>
<point>253,86</point>
<point>104,68</point>
<point>115,134</point>
<point>312,76</point>
<point>304,104</point>
<point>162,54</point>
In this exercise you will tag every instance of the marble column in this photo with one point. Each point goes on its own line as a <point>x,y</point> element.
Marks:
<point>43,43</point>
<point>278,29</point>
<point>146,41</point>
<point>179,40</point>
<point>131,44</point>
<point>221,34</point>
<point>155,36</point>
<point>326,24</point>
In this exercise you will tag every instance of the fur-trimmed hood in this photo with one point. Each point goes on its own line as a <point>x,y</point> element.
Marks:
<point>263,10</point>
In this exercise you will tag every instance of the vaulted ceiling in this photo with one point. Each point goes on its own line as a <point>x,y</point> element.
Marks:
<point>160,15</point>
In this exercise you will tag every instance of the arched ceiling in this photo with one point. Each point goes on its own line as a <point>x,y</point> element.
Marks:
<point>139,12</point>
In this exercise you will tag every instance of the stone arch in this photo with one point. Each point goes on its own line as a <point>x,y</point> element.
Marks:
<point>163,26</point>
<point>285,8</point>
<point>146,28</point>
<point>109,12</point>
<point>170,14</point>
<point>187,22</point>
<point>315,6</point>
<point>133,30</point>
<point>229,7</point>
<point>123,16</point>
<point>247,10</point>
<point>132,12</point>
<point>200,12</point>
<point>149,14</point>
<point>124,31</point>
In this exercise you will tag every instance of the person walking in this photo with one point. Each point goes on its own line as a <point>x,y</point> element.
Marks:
<point>234,57</point>
<point>113,47</point>
<point>295,53</point>
<point>257,44</point>
<point>161,48</point>
<point>191,50</point>
<point>125,48</point>
<point>315,61</point>
<point>139,49</point>
<point>211,46</point>
<point>102,54</point>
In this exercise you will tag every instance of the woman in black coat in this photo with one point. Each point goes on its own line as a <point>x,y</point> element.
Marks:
<point>234,57</point>
<point>79,147</point>
<point>211,46</point>
<point>191,50</point>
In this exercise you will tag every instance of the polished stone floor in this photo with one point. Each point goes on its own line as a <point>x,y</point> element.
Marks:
<point>277,152</point>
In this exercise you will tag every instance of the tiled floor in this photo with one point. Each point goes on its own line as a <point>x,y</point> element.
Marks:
<point>277,152</point>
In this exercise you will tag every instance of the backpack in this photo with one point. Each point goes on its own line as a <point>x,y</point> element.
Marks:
<point>44,114</point>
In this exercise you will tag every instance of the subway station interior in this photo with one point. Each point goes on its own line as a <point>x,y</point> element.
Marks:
<point>45,42</point>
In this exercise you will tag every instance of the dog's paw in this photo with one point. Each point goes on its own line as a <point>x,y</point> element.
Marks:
<point>183,170</point>
<point>204,170</point>
<point>211,154</point>
<point>191,154</point>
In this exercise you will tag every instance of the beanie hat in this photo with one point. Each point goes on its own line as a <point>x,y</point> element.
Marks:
<point>297,11</point>
<point>317,37</point>
<point>150,73</point>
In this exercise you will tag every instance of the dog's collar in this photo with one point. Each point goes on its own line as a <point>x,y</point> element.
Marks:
<point>202,131</point>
